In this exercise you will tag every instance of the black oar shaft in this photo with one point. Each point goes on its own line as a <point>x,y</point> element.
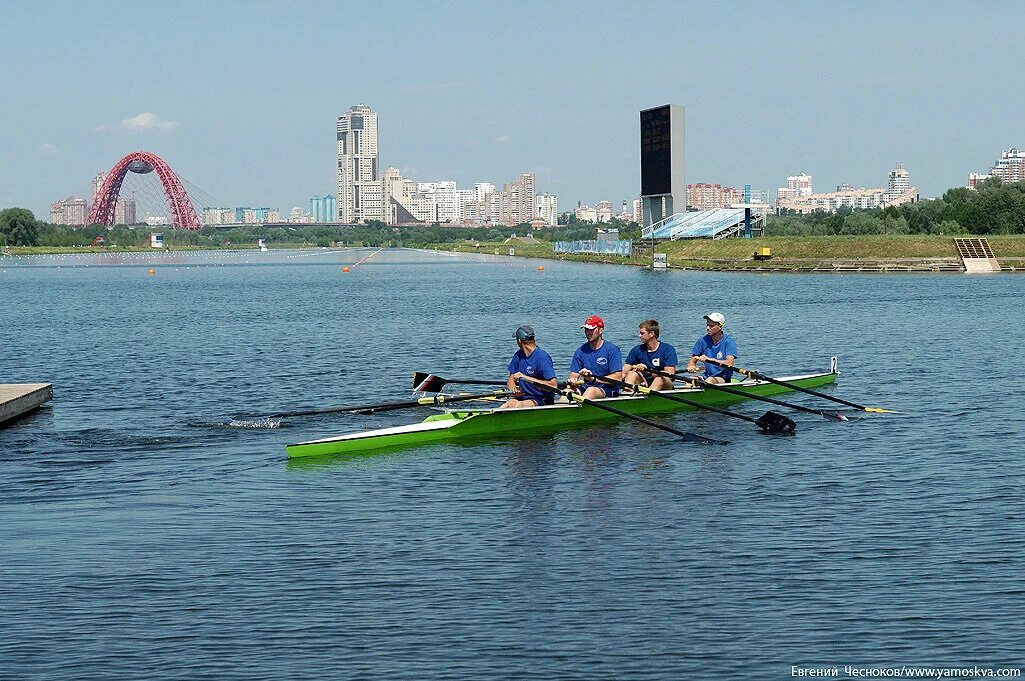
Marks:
<point>742,393</point>
<point>759,375</point>
<point>388,406</point>
<point>676,398</point>
<point>427,401</point>
<point>690,437</point>
<point>654,424</point>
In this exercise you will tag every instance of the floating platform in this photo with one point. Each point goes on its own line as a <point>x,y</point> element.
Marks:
<point>18,399</point>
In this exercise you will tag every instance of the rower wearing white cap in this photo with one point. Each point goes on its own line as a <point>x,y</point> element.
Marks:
<point>715,345</point>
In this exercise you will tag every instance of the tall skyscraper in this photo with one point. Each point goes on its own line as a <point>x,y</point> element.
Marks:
<point>360,195</point>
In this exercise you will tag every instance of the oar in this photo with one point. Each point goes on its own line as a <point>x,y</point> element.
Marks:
<point>759,375</point>
<point>388,406</point>
<point>769,422</point>
<point>429,383</point>
<point>437,399</point>
<point>832,415</point>
<point>689,437</point>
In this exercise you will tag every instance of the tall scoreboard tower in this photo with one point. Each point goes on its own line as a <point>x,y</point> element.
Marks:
<point>663,187</point>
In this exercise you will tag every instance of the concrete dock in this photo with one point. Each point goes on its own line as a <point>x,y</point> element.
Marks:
<point>18,399</point>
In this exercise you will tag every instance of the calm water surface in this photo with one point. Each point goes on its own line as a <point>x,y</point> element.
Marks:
<point>141,538</point>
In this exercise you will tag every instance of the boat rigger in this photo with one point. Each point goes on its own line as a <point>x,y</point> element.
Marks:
<point>456,425</point>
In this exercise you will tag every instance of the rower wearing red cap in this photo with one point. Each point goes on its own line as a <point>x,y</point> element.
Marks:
<point>596,357</point>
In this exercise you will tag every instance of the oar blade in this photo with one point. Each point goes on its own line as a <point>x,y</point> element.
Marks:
<point>776,424</point>
<point>427,383</point>
<point>880,410</point>
<point>701,439</point>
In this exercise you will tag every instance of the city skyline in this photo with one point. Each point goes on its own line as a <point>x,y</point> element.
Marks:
<point>842,116</point>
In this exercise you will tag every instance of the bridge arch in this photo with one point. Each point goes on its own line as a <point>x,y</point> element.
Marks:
<point>183,213</point>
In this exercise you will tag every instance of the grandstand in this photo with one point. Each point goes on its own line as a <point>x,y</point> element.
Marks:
<point>718,223</point>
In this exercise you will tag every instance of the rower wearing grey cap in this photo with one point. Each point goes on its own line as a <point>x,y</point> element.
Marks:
<point>529,365</point>
<point>715,345</point>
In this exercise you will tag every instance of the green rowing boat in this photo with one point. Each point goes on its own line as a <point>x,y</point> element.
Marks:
<point>455,425</point>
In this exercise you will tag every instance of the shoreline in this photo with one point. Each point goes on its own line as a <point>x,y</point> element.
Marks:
<point>833,254</point>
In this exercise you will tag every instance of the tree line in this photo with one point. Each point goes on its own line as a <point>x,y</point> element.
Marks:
<point>18,227</point>
<point>992,208</point>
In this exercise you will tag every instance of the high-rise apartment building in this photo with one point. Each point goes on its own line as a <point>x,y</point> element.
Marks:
<point>360,193</point>
<point>69,211</point>
<point>706,196</point>
<point>443,194</point>
<point>125,211</point>
<point>898,191</point>
<point>98,184</point>
<point>899,181</point>
<point>516,203</point>
<point>548,208</point>
<point>801,184</point>
<point>638,211</point>
<point>797,186</point>
<point>322,208</point>
<point>1010,167</point>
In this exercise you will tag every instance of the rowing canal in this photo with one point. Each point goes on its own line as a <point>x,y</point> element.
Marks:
<point>142,537</point>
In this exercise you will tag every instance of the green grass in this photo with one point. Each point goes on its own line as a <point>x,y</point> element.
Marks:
<point>696,252</point>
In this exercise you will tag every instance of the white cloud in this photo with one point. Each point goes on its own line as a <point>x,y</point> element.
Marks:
<point>47,149</point>
<point>502,139</point>
<point>147,121</point>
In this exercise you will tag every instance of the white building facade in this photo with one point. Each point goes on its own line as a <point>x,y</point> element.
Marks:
<point>360,196</point>
<point>548,208</point>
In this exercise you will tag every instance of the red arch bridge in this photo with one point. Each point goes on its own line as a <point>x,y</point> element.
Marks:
<point>183,213</point>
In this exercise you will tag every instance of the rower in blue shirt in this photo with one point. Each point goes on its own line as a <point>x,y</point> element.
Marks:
<point>596,357</point>
<point>528,366</point>
<point>714,345</point>
<point>650,354</point>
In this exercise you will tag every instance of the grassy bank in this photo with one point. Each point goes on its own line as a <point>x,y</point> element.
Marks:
<point>695,252</point>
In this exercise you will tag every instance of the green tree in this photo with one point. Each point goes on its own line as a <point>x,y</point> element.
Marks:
<point>949,228</point>
<point>19,227</point>
<point>861,223</point>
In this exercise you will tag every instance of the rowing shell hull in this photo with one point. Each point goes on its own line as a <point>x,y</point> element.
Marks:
<point>455,425</point>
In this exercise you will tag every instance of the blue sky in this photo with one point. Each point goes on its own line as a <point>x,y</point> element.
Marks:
<point>245,94</point>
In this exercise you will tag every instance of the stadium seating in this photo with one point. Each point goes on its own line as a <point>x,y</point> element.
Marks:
<point>707,224</point>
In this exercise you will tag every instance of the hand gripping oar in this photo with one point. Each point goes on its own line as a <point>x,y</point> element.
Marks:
<point>832,415</point>
<point>388,406</point>
<point>689,437</point>
<point>759,375</point>
<point>429,383</point>
<point>769,422</point>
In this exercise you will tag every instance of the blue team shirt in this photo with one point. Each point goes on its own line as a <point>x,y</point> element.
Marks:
<point>726,347</point>
<point>607,359</point>
<point>663,356</point>
<point>538,365</point>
